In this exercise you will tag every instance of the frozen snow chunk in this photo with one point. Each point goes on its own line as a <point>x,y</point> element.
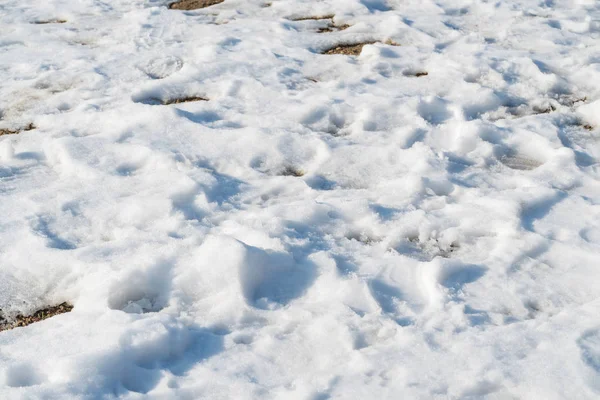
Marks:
<point>228,268</point>
<point>272,278</point>
<point>590,113</point>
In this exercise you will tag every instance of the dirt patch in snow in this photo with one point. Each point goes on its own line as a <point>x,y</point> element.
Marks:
<point>292,171</point>
<point>40,315</point>
<point>333,28</point>
<point>193,4</point>
<point>347,49</point>
<point>330,27</point>
<point>184,100</point>
<point>6,131</point>
<point>155,101</point>
<point>415,73</point>
<point>314,18</point>
<point>50,21</point>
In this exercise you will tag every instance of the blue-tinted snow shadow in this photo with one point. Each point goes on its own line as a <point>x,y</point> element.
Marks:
<point>139,362</point>
<point>539,209</point>
<point>376,5</point>
<point>42,226</point>
<point>209,119</point>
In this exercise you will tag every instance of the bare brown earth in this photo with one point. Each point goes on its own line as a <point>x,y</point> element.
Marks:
<point>292,171</point>
<point>182,100</point>
<point>40,315</point>
<point>347,49</point>
<point>193,4</point>
<point>50,21</point>
<point>316,18</point>
<point>16,131</point>
<point>333,28</point>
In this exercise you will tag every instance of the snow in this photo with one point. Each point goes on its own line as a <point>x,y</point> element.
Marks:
<point>323,226</point>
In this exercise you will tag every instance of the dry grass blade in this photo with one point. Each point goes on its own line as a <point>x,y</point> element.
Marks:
<point>193,4</point>
<point>40,315</point>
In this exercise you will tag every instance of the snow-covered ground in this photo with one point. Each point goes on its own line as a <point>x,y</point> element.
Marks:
<point>420,221</point>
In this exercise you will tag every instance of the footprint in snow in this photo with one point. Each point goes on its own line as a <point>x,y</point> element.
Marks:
<point>160,68</point>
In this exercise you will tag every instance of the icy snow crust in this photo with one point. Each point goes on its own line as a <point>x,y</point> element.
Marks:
<point>324,226</point>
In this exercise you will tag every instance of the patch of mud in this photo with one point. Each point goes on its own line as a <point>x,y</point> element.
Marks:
<point>193,4</point>
<point>40,315</point>
<point>347,49</point>
<point>6,131</point>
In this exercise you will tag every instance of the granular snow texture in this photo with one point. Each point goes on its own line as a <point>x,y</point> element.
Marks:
<point>417,220</point>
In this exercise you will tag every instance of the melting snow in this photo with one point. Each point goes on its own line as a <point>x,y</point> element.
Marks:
<point>236,215</point>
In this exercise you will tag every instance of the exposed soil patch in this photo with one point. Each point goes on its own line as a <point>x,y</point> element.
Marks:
<point>333,28</point>
<point>347,49</point>
<point>314,18</point>
<point>588,127</point>
<point>16,131</point>
<point>40,315</point>
<point>292,171</point>
<point>416,74</point>
<point>193,4</point>
<point>50,21</point>
<point>426,250</point>
<point>184,100</point>
<point>154,101</point>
